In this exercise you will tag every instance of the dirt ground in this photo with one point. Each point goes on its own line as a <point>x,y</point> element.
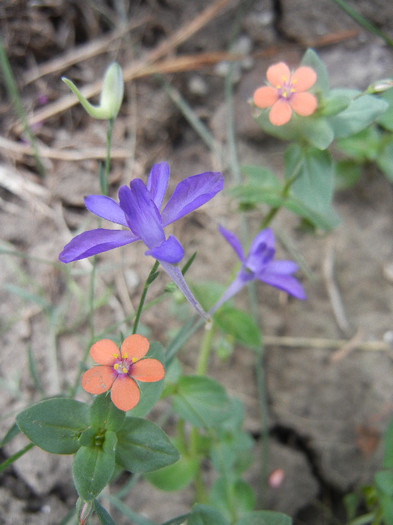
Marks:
<point>329,368</point>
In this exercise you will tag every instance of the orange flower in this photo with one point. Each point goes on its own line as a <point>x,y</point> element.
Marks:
<point>120,370</point>
<point>287,92</point>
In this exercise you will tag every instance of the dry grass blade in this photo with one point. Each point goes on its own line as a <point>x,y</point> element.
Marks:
<point>18,150</point>
<point>78,54</point>
<point>134,69</point>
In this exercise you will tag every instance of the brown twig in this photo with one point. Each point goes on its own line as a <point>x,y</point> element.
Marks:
<point>80,53</point>
<point>134,69</point>
<point>324,344</point>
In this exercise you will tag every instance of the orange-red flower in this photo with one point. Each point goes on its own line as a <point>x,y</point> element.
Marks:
<point>287,92</point>
<point>119,370</point>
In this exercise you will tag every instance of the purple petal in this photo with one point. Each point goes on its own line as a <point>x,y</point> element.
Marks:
<point>177,277</point>
<point>232,289</point>
<point>170,251</point>
<point>142,215</point>
<point>106,208</point>
<point>191,193</point>
<point>261,251</point>
<point>93,242</point>
<point>157,182</point>
<point>282,267</point>
<point>233,241</point>
<point>284,282</point>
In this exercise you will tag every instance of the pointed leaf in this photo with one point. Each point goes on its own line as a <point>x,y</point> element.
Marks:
<point>143,446</point>
<point>176,476</point>
<point>55,425</point>
<point>206,515</point>
<point>93,467</point>
<point>240,325</point>
<point>201,401</point>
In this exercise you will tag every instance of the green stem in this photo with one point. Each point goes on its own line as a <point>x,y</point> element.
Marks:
<point>15,456</point>
<point>149,280</point>
<point>16,102</point>
<point>284,194</point>
<point>204,351</point>
<point>105,178</point>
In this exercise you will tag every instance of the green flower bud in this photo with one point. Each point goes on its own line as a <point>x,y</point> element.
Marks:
<point>111,94</point>
<point>380,86</point>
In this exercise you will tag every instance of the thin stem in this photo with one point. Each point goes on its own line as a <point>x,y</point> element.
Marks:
<point>284,194</point>
<point>204,351</point>
<point>15,456</point>
<point>15,100</point>
<point>148,282</point>
<point>105,179</point>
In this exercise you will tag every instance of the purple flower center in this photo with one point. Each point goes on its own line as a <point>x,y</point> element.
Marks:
<point>122,366</point>
<point>286,89</point>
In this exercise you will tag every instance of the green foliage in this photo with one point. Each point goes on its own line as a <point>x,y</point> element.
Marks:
<point>264,517</point>
<point>206,515</point>
<point>143,446</point>
<point>201,401</point>
<point>240,325</point>
<point>176,476</point>
<point>232,498</point>
<point>93,466</point>
<point>102,514</point>
<point>55,425</point>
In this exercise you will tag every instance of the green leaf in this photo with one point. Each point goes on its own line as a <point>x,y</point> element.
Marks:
<point>314,182</point>
<point>176,476</point>
<point>179,520</point>
<point>326,220</point>
<point>102,514</point>
<point>334,104</point>
<point>240,325</point>
<point>10,434</point>
<point>361,112</point>
<point>347,173</point>
<point>384,481</point>
<point>264,517</point>
<point>226,495</point>
<point>386,119</point>
<point>93,467</point>
<point>206,515</point>
<point>55,425</point>
<point>207,293</point>
<point>104,415</point>
<point>149,392</point>
<point>385,159</point>
<point>201,401</point>
<point>388,440</point>
<point>316,131</point>
<point>142,446</point>
<point>362,146</point>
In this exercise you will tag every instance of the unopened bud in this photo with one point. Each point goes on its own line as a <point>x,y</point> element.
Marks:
<point>380,86</point>
<point>111,94</point>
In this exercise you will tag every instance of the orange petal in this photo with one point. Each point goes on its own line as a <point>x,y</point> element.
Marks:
<point>148,370</point>
<point>280,113</point>
<point>304,104</point>
<point>98,379</point>
<point>103,352</point>
<point>125,393</point>
<point>278,73</point>
<point>265,97</point>
<point>303,78</point>
<point>135,345</point>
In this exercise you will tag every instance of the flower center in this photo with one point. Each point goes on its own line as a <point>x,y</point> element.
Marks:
<point>123,364</point>
<point>286,89</point>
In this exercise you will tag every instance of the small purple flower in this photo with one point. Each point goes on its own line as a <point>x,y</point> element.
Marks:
<point>259,264</point>
<point>138,210</point>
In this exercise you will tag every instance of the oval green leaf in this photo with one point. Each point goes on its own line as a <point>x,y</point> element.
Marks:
<point>55,425</point>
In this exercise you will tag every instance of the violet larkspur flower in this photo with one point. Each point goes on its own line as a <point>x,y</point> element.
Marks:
<point>138,210</point>
<point>260,264</point>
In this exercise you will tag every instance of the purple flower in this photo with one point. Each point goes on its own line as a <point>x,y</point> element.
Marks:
<point>259,264</point>
<point>138,210</point>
